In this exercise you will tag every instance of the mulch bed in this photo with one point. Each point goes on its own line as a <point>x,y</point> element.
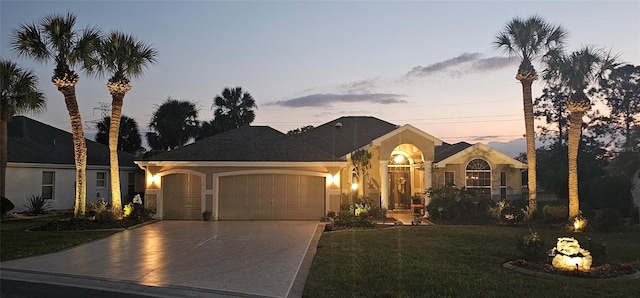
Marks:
<point>599,271</point>
<point>83,224</point>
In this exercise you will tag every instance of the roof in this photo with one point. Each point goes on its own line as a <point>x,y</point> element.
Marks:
<point>31,141</point>
<point>450,153</point>
<point>346,134</point>
<point>447,150</point>
<point>246,143</point>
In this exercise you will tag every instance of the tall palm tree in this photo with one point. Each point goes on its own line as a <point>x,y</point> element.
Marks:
<point>173,124</point>
<point>123,57</point>
<point>18,93</point>
<point>577,71</point>
<point>55,38</point>
<point>529,39</point>
<point>234,108</point>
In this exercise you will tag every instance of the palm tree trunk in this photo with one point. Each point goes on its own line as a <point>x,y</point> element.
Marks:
<point>575,130</point>
<point>79,149</point>
<point>4,155</point>
<point>527,99</point>
<point>114,131</point>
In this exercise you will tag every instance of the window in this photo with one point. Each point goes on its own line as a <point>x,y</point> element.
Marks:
<point>101,179</point>
<point>131,184</point>
<point>48,185</point>
<point>449,178</point>
<point>503,185</point>
<point>478,178</point>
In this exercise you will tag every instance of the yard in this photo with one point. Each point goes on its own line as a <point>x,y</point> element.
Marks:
<point>452,261</point>
<point>16,242</point>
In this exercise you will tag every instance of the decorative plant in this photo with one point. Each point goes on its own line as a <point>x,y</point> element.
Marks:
<point>531,246</point>
<point>38,204</point>
<point>6,206</point>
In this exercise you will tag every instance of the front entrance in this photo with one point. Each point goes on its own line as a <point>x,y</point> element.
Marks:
<point>400,188</point>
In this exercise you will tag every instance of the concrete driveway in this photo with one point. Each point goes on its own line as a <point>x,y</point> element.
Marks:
<point>226,258</point>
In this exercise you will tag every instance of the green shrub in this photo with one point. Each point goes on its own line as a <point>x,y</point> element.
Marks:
<point>556,211</point>
<point>511,215</point>
<point>137,212</point>
<point>5,206</point>
<point>597,249</point>
<point>531,246</point>
<point>607,219</point>
<point>108,215</point>
<point>96,207</point>
<point>346,219</point>
<point>38,204</point>
<point>378,213</point>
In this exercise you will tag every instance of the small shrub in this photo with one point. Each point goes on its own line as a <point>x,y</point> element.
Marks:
<point>555,212</point>
<point>137,212</point>
<point>108,215</point>
<point>378,213</point>
<point>344,218</point>
<point>511,215</point>
<point>6,206</point>
<point>331,214</point>
<point>531,246</point>
<point>38,204</point>
<point>598,249</point>
<point>96,207</point>
<point>607,219</point>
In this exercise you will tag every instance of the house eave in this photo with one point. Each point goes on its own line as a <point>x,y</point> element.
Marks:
<point>62,166</point>
<point>378,141</point>
<point>144,164</point>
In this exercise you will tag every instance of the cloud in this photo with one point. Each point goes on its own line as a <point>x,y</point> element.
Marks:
<point>326,99</point>
<point>483,138</point>
<point>466,63</point>
<point>493,63</point>
<point>443,65</point>
<point>362,86</point>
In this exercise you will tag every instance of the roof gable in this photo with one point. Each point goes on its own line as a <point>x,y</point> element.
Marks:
<point>494,155</point>
<point>246,143</point>
<point>410,128</point>
<point>31,141</point>
<point>346,134</point>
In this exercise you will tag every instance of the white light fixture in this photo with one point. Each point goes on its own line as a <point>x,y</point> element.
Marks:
<point>354,186</point>
<point>398,158</point>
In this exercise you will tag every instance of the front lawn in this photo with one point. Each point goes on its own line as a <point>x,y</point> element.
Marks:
<point>452,261</point>
<point>16,242</point>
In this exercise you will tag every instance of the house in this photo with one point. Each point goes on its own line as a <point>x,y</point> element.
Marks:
<point>257,172</point>
<point>41,162</point>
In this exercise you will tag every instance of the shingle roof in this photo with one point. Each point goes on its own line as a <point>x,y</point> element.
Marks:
<point>246,143</point>
<point>30,141</point>
<point>447,150</point>
<point>351,134</point>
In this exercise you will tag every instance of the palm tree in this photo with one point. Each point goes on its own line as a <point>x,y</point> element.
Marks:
<point>529,39</point>
<point>56,39</point>
<point>123,57</point>
<point>174,123</point>
<point>129,139</point>
<point>18,93</point>
<point>234,108</point>
<point>577,72</point>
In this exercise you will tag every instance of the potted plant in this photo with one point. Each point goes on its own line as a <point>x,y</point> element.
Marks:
<point>206,216</point>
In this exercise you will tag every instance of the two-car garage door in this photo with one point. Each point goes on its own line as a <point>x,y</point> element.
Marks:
<point>271,196</point>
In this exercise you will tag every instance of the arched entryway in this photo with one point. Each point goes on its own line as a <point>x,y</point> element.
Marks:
<point>405,176</point>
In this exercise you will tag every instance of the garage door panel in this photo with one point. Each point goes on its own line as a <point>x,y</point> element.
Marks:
<point>181,196</point>
<point>272,196</point>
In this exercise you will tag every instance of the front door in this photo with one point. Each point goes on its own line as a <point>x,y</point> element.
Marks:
<point>400,188</point>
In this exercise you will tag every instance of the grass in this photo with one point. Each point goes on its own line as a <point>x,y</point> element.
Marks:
<point>451,261</point>
<point>16,242</point>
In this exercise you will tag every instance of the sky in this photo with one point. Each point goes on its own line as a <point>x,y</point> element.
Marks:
<point>430,64</point>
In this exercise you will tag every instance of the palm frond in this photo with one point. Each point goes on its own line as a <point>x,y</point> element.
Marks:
<point>27,42</point>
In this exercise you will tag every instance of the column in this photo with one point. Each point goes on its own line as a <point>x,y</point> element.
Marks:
<point>384,184</point>
<point>427,180</point>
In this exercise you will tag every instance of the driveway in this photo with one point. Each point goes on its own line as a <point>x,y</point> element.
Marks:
<point>235,258</point>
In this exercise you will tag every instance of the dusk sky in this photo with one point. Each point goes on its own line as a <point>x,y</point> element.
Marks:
<point>425,63</point>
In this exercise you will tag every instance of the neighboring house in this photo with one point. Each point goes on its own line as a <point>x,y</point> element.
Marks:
<point>41,162</point>
<point>257,172</point>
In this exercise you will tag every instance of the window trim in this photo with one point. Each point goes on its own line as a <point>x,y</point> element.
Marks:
<point>103,179</point>
<point>479,168</point>
<point>453,178</point>
<point>52,185</point>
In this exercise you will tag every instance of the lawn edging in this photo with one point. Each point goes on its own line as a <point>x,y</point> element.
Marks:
<point>524,271</point>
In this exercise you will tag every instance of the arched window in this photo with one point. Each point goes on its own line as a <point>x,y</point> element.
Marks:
<point>478,178</point>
